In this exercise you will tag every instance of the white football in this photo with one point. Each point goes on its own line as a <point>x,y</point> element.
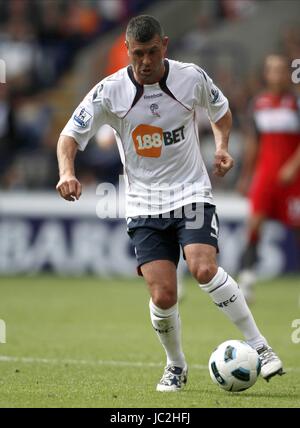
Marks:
<point>234,366</point>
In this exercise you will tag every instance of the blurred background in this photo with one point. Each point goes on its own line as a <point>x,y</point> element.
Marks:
<point>55,51</point>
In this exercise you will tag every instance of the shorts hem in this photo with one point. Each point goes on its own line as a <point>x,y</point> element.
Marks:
<point>153,259</point>
<point>197,241</point>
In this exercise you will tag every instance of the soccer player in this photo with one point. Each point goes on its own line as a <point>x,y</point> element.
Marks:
<point>151,104</point>
<point>272,162</point>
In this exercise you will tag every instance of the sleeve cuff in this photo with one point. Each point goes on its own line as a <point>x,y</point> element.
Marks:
<point>81,145</point>
<point>220,113</point>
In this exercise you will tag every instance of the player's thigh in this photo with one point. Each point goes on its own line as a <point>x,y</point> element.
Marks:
<point>157,252</point>
<point>202,261</point>
<point>198,237</point>
<point>262,196</point>
<point>153,239</point>
<point>160,276</point>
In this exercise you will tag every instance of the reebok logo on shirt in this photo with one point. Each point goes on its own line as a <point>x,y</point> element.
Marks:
<point>148,139</point>
<point>150,97</point>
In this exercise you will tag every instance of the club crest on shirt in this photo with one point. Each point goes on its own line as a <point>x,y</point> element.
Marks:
<point>97,94</point>
<point>214,95</point>
<point>82,118</point>
<point>154,110</point>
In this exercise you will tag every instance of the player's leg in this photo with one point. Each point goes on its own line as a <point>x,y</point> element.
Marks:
<point>247,276</point>
<point>160,276</point>
<point>261,202</point>
<point>200,245</point>
<point>225,293</point>
<point>157,252</point>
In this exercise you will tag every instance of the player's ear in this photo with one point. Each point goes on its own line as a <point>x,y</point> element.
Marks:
<point>127,46</point>
<point>165,42</point>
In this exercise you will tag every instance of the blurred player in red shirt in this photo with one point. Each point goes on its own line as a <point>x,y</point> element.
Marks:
<point>272,161</point>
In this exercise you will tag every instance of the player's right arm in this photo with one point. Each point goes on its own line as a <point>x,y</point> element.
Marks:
<point>89,116</point>
<point>68,186</point>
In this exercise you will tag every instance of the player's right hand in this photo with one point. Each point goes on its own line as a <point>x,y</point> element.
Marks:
<point>69,188</point>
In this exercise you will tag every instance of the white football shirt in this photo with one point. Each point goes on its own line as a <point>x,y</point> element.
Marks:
<point>156,133</point>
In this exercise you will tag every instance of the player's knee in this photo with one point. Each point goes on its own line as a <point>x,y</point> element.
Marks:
<point>165,298</point>
<point>204,273</point>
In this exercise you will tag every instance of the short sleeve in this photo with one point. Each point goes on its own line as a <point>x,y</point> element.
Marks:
<point>210,97</point>
<point>88,117</point>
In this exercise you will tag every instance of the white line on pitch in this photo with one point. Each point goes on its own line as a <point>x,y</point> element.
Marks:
<point>32,360</point>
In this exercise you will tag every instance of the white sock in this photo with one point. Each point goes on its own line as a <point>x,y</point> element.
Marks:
<point>166,323</point>
<point>226,294</point>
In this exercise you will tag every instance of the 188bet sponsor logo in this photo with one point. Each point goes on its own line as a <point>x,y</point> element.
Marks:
<point>148,140</point>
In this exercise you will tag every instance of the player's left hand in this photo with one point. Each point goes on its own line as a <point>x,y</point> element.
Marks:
<point>223,163</point>
<point>287,174</point>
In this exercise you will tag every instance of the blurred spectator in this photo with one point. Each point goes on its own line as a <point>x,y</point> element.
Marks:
<point>113,11</point>
<point>81,20</point>
<point>237,9</point>
<point>9,143</point>
<point>290,40</point>
<point>117,56</point>
<point>19,50</point>
<point>33,117</point>
<point>271,169</point>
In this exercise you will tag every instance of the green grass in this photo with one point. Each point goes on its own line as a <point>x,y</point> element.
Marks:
<point>83,326</point>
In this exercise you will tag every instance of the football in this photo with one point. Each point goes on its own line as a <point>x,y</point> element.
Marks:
<point>234,366</point>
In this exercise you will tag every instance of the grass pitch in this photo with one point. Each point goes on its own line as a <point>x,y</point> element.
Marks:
<point>88,342</point>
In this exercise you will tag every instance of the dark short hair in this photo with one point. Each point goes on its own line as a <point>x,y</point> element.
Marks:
<point>143,28</point>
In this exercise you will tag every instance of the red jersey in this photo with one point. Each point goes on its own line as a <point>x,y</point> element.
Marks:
<point>277,121</point>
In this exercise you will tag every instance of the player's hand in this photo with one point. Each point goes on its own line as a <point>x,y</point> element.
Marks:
<point>223,163</point>
<point>69,188</point>
<point>287,174</point>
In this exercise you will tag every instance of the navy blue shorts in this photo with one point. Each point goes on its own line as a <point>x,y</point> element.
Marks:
<point>160,237</point>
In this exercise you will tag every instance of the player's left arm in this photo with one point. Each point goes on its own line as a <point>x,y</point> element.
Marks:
<point>290,169</point>
<point>221,129</point>
<point>209,96</point>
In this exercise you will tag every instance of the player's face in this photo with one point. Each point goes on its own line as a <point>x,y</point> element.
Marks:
<point>147,59</point>
<point>276,73</point>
